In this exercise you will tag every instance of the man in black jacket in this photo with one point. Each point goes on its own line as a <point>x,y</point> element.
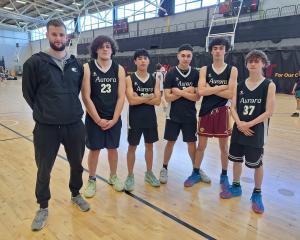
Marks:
<point>51,85</point>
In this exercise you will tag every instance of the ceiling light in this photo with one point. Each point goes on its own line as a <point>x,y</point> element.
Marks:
<point>59,10</point>
<point>19,1</point>
<point>77,4</point>
<point>8,8</point>
<point>44,15</point>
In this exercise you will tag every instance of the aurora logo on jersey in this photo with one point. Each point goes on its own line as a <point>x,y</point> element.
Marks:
<point>105,80</point>
<point>250,100</point>
<point>144,90</point>
<point>185,84</point>
<point>241,92</point>
<point>94,74</point>
<point>218,82</point>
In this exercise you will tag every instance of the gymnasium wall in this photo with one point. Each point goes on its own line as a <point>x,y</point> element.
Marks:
<point>267,4</point>
<point>8,40</point>
<point>284,68</point>
<point>181,21</point>
<point>272,30</point>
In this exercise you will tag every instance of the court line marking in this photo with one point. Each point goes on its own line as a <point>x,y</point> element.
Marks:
<point>7,113</point>
<point>9,120</point>
<point>8,139</point>
<point>141,200</point>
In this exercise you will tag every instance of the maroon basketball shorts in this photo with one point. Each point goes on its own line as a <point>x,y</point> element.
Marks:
<point>216,123</point>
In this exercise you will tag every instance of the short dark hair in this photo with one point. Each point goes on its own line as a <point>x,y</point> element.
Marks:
<point>98,43</point>
<point>185,47</point>
<point>158,66</point>
<point>141,52</point>
<point>219,41</point>
<point>56,23</point>
<point>257,54</point>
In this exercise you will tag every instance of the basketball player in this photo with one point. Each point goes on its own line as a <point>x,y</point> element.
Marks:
<point>51,84</point>
<point>160,76</point>
<point>103,94</point>
<point>180,90</point>
<point>142,91</point>
<point>296,92</point>
<point>216,85</point>
<point>252,107</point>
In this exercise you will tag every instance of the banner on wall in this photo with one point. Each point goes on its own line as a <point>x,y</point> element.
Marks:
<point>120,26</point>
<point>284,69</point>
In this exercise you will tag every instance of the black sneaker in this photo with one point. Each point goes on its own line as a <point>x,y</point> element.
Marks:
<point>295,114</point>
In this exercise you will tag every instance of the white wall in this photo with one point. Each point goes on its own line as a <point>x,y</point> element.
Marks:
<point>8,40</point>
<point>267,4</point>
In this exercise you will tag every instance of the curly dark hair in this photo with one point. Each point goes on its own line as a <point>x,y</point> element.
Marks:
<point>98,43</point>
<point>219,41</point>
<point>257,54</point>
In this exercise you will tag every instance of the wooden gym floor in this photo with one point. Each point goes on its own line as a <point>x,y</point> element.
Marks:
<point>168,212</point>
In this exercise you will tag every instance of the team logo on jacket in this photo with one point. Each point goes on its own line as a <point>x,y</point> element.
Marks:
<point>74,69</point>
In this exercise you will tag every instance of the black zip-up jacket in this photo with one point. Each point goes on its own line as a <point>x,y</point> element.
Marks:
<point>52,93</point>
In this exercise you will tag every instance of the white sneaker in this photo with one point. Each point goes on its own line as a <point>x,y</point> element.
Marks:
<point>204,177</point>
<point>163,176</point>
<point>90,189</point>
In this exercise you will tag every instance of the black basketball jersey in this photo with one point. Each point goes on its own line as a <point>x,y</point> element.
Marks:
<point>182,109</point>
<point>104,88</point>
<point>142,115</point>
<point>249,105</point>
<point>213,79</point>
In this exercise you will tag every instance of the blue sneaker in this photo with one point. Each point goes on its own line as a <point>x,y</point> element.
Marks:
<point>224,182</point>
<point>257,204</point>
<point>191,180</point>
<point>231,191</point>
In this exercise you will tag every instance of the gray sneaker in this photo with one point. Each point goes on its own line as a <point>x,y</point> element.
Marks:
<point>79,201</point>
<point>163,176</point>
<point>39,220</point>
<point>204,177</point>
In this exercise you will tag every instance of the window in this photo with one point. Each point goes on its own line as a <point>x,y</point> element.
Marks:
<point>39,33</point>
<point>138,10</point>
<point>70,26</point>
<point>184,5</point>
<point>150,10</point>
<point>121,12</point>
<point>193,5</point>
<point>206,3</point>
